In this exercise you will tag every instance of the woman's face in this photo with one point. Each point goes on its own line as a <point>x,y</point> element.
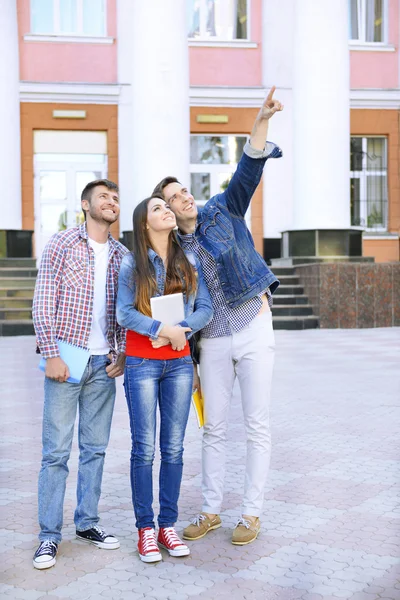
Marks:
<point>159,216</point>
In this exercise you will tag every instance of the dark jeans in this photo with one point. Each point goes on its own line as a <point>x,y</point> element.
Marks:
<point>167,383</point>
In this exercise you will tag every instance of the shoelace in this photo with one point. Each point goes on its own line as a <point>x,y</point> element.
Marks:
<point>172,537</point>
<point>149,541</point>
<point>99,530</point>
<point>197,520</point>
<point>243,522</point>
<point>45,546</point>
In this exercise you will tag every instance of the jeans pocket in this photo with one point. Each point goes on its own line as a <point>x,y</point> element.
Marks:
<point>134,361</point>
<point>187,359</point>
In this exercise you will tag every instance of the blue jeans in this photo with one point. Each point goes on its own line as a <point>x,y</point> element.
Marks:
<point>167,383</point>
<point>95,396</point>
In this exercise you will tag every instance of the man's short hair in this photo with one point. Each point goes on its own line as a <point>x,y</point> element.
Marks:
<point>159,189</point>
<point>87,190</point>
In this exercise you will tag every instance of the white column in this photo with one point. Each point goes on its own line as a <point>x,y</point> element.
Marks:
<point>10,138</point>
<point>321,115</point>
<point>154,118</point>
<point>277,42</point>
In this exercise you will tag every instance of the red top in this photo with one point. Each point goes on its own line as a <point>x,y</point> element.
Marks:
<point>140,345</point>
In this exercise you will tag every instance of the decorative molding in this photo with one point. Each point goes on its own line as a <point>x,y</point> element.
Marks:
<point>68,39</point>
<point>201,96</point>
<point>375,99</point>
<point>383,236</point>
<point>371,47</point>
<point>195,43</point>
<point>227,96</point>
<point>70,93</point>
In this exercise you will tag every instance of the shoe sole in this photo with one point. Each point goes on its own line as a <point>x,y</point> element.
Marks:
<point>102,545</point>
<point>44,565</point>
<point>245,543</point>
<point>151,559</point>
<point>185,537</point>
<point>176,553</point>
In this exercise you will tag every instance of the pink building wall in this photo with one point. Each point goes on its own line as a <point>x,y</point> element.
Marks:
<point>230,66</point>
<point>378,69</point>
<point>70,62</point>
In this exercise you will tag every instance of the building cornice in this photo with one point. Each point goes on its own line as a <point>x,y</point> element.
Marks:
<point>201,96</point>
<point>70,93</point>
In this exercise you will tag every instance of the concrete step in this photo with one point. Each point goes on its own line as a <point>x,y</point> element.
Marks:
<point>288,279</point>
<point>289,299</point>
<point>306,322</point>
<point>285,290</point>
<point>292,310</point>
<point>17,272</point>
<point>26,263</point>
<point>17,282</point>
<point>16,327</point>
<point>15,314</point>
<point>15,302</point>
<point>279,271</point>
<point>16,292</point>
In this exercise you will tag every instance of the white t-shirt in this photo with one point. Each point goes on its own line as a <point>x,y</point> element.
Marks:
<point>98,334</point>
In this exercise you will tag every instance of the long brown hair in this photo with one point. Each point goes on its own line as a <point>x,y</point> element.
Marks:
<point>180,277</point>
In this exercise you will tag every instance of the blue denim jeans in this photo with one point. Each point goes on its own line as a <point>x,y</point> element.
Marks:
<point>167,383</point>
<point>95,396</point>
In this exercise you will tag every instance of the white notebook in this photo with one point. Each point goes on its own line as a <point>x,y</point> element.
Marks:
<point>168,309</point>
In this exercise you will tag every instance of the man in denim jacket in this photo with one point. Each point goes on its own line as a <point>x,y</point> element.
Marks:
<point>239,341</point>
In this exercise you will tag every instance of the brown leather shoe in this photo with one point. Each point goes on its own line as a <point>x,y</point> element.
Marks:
<point>200,526</point>
<point>246,531</point>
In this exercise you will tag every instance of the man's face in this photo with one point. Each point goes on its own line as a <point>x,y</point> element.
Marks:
<point>103,206</point>
<point>180,201</point>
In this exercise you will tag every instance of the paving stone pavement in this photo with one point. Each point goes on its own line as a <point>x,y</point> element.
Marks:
<point>331,520</point>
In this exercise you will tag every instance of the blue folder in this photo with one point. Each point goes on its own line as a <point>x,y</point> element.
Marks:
<point>75,358</point>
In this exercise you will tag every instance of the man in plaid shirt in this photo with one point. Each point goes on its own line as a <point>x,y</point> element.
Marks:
<point>74,302</point>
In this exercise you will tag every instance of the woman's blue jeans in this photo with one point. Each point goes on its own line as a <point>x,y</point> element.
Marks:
<point>167,383</point>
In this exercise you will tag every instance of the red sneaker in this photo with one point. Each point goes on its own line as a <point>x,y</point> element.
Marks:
<point>169,539</point>
<point>147,545</point>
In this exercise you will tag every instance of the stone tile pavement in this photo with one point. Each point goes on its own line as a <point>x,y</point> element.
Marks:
<point>331,521</point>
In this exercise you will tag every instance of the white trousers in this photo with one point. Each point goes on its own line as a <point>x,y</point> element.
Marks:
<point>249,356</point>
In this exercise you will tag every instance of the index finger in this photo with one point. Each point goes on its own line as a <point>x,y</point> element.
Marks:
<point>271,93</point>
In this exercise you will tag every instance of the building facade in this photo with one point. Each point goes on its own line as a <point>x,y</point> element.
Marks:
<point>138,90</point>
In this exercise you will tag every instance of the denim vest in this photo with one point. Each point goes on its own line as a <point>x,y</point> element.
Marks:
<point>221,229</point>
<point>198,307</point>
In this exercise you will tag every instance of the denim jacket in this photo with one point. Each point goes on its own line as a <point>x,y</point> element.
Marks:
<point>221,229</point>
<point>198,307</point>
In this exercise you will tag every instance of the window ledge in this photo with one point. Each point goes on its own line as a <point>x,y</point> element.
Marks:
<point>380,235</point>
<point>371,47</point>
<point>68,39</point>
<point>210,43</point>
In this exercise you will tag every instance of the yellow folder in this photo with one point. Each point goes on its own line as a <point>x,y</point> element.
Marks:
<point>198,405</point>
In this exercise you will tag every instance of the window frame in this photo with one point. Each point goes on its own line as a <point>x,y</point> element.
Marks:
<point>79,33</point>
<point>222,41</point>
<point>363,175</point>
<point>361,40</point>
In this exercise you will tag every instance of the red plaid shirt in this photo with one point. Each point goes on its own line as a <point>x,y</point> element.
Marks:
<point>63,299</point>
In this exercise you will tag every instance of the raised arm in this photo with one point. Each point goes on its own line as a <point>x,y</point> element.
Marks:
<point>249,171</point>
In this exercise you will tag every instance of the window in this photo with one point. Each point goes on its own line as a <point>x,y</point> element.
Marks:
<point>68,17</point>
<point>368,183</point>
<point>213,161</point>
<point>367,20</point>
<point>218,19</point>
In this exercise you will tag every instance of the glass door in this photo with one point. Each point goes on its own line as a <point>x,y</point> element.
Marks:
<point>58,187</point>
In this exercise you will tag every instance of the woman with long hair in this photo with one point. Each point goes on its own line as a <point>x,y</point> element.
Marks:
<point>159,368</point>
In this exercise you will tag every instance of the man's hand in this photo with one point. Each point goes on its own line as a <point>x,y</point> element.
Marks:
<point>160,342</point>
<point>116,369</point>
<point>270,106</point>
<point>259,133</point>
<point>56,369</point>
<point>196,380</point>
